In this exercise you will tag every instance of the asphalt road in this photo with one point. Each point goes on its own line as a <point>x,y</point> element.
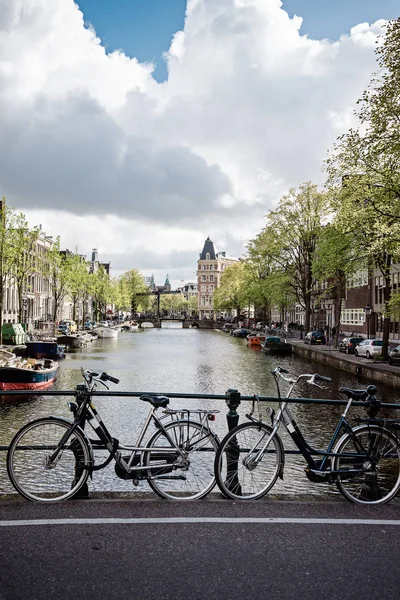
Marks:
<point>152,549</point>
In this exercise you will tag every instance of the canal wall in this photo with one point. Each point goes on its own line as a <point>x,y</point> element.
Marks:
<point>370,370</point>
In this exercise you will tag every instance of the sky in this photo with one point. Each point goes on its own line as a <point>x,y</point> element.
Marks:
<point>141,127</point>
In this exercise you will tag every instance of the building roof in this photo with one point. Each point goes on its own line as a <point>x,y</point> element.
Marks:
<point>209,248</point>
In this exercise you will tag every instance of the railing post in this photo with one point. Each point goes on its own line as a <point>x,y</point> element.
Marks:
<point>232,399</point>
<point>372,402</point>
<point>83,492</point>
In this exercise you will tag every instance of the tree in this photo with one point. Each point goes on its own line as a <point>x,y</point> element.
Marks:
<point>289,241</point>
<point>14,247</point>
<point>56,270</point>
<point>78,277</point>
<point>101,291</point>
<point>363,169</point>
<point>232,293</point>
<point>132,284</point>
<point>26,261</point>
<point>335,260</point>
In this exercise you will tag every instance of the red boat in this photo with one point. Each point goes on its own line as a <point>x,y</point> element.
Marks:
<point>28,375</point>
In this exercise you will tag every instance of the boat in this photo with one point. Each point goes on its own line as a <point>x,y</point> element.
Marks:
<point>29,374</point>
<point>106,332</point>
<point>7,357</point>
<point>255,340</point>
<point>130,326</point>
<point>75,340</point>
<point>146,325</point>
<point>37,349</point>
<point>274,345</point>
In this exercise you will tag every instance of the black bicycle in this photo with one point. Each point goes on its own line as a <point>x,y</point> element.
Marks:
<point>50,459</point>
<point>364,463</point>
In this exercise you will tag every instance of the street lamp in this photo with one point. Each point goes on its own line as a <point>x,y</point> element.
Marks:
<point>368,310</point>
<point>329,319</point>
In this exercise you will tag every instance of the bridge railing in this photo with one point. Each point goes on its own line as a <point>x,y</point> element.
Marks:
<point>232,399</point>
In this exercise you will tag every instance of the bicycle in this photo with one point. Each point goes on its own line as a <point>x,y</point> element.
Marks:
<point>364,463</point>
<point>50,459</point>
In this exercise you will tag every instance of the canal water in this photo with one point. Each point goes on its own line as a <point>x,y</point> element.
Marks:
<point>175,360</point>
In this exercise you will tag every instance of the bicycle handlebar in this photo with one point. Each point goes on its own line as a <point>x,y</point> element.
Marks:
<point>312,378</point>
<point>105,377</point>
<point>89,376</point>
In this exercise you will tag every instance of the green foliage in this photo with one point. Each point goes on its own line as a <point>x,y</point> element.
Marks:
<point>232,294</point>
<point>363,170</point>
<point>284,251</point>
<point>130,285</point>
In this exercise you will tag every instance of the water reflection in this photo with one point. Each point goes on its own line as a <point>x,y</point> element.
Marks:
<point>186,361</point>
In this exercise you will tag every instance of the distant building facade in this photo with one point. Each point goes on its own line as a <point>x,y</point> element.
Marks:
<point>210,266</point>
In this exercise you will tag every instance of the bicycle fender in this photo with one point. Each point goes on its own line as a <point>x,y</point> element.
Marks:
<point>282,465</point>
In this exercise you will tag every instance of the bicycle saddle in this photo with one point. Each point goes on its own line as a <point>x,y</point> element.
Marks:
<point>156,401</point>
<point>355,394</point>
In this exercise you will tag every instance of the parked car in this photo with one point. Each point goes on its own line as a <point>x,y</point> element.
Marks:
<point>394,356</point>
<point>315,337</point>
<point>348,344</point>
<point>89,325</point>
<point>229,326</point>
<point>73,327</point>
<point>368,348</point>
<point>63,327</point>
<point>240,332</point>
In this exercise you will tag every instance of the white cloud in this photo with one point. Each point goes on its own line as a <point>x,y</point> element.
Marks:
<point>146,171</point>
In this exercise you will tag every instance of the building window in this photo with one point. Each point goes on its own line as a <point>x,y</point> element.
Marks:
<point>211,277</point>
<point>207,256</point>
<point>203,278</point>
<point>353,316</point>
<point>359,279</point>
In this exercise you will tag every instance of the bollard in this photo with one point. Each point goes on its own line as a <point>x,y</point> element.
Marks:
<point>232,399</point>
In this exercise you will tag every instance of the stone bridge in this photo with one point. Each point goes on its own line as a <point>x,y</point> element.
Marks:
<point>186,323</point>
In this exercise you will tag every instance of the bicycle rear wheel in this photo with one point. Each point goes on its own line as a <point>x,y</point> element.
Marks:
<point>188,472</point>
<point>371,457</point>
<point>238,475</point>
<point>29,468</point>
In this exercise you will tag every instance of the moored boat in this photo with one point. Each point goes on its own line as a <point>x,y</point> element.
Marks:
<point>76,340</point>
<point>106,332</point>
<point>274,345</point>
<point>255,340</point>
<point>30,374</point>
<point>146,325</point>
<point>38,349</point>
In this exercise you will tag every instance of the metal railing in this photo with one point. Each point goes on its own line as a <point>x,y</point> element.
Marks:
<point>232,398</point>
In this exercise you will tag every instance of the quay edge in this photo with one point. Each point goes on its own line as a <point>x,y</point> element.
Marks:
<point>369,370</point>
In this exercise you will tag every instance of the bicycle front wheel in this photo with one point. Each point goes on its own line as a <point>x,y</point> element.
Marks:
<point>182,461</point>
<point>38,475</point>
<point>369,465</point>
<point>241,472</point>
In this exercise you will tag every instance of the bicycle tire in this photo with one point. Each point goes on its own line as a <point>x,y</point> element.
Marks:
<point>378,478</point>
<point>26,461</point>
<point>239,481</point>
<point>183,477</point>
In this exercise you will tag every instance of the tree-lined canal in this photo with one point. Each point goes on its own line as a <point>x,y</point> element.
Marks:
<point>184,361</point>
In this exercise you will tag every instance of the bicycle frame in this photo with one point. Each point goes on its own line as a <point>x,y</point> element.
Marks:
<point>84,411</point>
<point>284,415</point>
